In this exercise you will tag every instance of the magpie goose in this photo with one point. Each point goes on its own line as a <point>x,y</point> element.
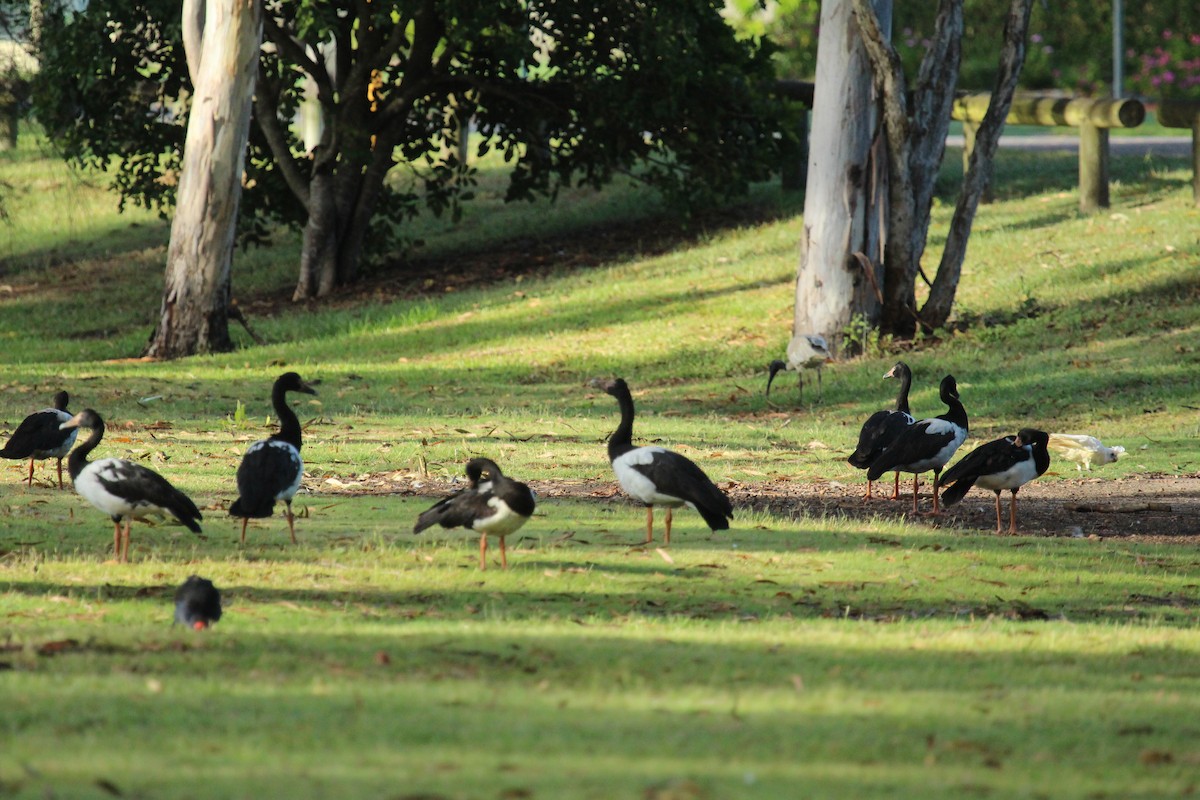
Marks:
<point>39,436</point>
<point>272,468</point>
<point>1007,463</point>
<point>122,489</point>
<point>805,351</point>
<point>197,603</point>
<point>492,505</point>
<point>656,476</point>
<point>883,427</point>
<point>927,444</point>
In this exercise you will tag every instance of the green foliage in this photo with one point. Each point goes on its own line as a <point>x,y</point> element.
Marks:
<point>568,93</point>
<point>1069,47</point>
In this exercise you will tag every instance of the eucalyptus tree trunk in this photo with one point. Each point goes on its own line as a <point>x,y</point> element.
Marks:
<point>839,277</point>
<point>916,134</point>
<point>194,317</point>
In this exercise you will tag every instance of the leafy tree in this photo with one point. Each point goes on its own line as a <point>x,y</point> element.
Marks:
<point>569,92</point>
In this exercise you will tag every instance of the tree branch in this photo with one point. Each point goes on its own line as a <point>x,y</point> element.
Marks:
<point>266,113</point>
<point>936,310</point>
<point>296,50</point>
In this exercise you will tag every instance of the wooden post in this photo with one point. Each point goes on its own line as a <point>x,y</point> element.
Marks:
<point>1093,168</point>
<point>1093,117</point>
<point>1185,114</point>
<point>1196,162</point>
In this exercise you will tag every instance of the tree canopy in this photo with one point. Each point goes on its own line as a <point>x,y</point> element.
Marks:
<point>568,92</point>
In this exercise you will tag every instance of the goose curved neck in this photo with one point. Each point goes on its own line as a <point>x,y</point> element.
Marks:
<point>902,395</point>
<point>956,413</point>
<point>621,440</point>
<point>78,460</point>
<point>289,425</point>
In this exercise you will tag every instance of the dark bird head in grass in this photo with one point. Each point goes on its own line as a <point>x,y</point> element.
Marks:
<point>197,603</point>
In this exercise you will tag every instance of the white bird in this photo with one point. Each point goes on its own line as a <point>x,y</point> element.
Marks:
<point>805,351</point>
<point>1083,450</point>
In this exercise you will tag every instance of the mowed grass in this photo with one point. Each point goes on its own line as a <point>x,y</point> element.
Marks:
<point>795,655</point>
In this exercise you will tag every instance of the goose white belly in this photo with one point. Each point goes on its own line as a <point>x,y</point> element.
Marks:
<point>938,427</point>
<point>636,484</point>
<point>1014,477</point>
<point>502,523</point>
<point>88,484</point>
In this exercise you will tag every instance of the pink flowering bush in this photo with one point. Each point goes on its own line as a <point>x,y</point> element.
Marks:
<point>1170,69</point>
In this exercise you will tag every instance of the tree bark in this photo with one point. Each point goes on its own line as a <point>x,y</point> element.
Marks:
<point>845,195</point>
<point>936,311</point>
<point>194,317</point>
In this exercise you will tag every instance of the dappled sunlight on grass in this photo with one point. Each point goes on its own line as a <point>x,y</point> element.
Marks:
<point>863,654</point>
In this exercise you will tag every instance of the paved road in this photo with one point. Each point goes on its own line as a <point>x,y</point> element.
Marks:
<point>1172,146</point>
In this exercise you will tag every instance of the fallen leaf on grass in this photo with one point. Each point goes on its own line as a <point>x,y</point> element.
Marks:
<point>1155,757</point>
<point>665,555</point>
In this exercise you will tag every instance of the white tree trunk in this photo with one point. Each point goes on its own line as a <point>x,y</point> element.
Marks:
<point>195,307</point>
<point>846,192</point>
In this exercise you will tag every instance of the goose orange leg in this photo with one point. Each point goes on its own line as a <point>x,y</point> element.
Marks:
<point>291,522</point>
<point>649,524</point>
<point>483,551</point>
<point>667,538</point>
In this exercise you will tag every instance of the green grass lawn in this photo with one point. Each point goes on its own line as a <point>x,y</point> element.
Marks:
<point>796,655</point>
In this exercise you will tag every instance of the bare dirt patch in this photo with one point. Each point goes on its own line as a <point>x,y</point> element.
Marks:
<point>1142,508</point>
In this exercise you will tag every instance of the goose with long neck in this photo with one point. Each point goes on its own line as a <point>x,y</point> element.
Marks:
<point>40,436</point>
<point>655,476</point>
<point>493,504</point>
<point>883,428</point>
<point>122,489</point>
<point>927,444</point>
<point>1007,463</point>
<point>272,468</point>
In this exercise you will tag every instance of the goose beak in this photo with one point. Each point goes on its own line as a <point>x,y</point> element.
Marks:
<point>73,422</point>
<point>307,386</point>
<point>775,367</point>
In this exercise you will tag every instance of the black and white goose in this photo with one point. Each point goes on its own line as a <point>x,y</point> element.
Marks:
<point>1007,463</point>
<point>272,468</point>
<point>492,505</point>
<point>883,428</point>
<point>197,603</point>
<point>122,489</point>
<point>927,444</point>
<point>804,351</point>
<point>656,476</point>
<point>40,436</point>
